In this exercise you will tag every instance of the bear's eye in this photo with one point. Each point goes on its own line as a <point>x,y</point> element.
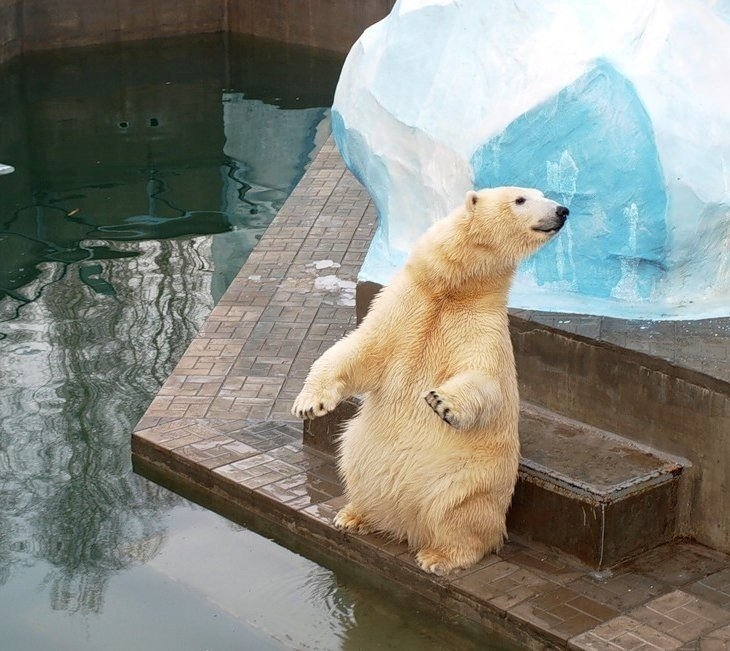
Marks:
<point>520,200</point>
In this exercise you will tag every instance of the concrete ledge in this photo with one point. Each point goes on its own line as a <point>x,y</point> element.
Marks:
<point>591,494</point>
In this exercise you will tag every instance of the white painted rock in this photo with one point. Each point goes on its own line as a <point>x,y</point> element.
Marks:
<point>619,110</point>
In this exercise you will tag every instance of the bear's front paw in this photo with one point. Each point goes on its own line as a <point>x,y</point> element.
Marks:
<point>442,408</point>
<point>310,404</point>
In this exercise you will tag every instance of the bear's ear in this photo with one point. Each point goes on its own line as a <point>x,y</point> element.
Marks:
<point>471,200</point>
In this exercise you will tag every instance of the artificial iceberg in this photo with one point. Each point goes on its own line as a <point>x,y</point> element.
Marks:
<point>618,110</point>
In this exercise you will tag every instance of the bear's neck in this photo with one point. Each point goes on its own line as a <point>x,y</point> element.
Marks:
<point>485,288</point>
<point>453,266</point>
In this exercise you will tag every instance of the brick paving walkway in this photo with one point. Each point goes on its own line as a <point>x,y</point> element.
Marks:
<point>220,431</point>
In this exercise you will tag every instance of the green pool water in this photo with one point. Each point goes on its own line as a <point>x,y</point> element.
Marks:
<point>144,175</point>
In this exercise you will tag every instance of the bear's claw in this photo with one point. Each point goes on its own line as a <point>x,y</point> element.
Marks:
<point>441,407</point>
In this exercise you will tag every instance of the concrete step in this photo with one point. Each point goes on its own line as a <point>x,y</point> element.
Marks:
<point>590,493</point>
<point>642,397</point>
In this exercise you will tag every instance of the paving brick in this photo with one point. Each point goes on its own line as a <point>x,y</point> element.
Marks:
<point>681,615</point>
<point>303,490</point>
<point>216,451</point>
<point>548,564</point>
<point>562,612</point>
<point>679,563</point>
<point>255,471</point>
<point>503,584</point>
<point>267,436</point>
<point>161,428</point>
<point>624,633</point>
<point>621,591</point>
<point>714,588</point>
<point>297,455</point>
<point>325,512</point>
<point>717,640</point>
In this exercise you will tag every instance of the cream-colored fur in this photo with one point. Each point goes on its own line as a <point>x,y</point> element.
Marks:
<point>432,455</point>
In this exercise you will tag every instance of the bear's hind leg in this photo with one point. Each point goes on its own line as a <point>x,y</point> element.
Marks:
<point>442,560</point>
<point>472,529</point>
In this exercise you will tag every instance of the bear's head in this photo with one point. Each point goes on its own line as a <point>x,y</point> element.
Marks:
<point>514,222</point>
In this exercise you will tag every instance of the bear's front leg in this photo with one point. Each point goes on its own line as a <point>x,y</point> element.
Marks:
<point>341,372</point>
<point>466,400</point>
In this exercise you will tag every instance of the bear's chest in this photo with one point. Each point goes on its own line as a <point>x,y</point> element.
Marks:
<point>436,344</point>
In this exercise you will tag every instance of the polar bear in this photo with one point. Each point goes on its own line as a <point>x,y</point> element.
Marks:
<point>431,457</point>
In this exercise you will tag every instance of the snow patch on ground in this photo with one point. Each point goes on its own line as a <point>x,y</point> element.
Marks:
<point>324,264</point>
<point>345,288</point>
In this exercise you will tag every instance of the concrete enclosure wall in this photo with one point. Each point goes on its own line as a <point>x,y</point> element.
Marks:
<point>10,32</point>
<point>27,25</point>
<point>329,24</point>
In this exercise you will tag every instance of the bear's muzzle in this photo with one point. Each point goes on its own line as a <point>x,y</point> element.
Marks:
<point>553,224</point>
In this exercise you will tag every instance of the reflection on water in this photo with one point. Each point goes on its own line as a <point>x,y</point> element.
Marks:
<point>128,212</point>
<point>144,174</point>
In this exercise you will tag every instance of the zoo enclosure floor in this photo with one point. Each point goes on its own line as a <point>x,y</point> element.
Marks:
<point>219,431</point>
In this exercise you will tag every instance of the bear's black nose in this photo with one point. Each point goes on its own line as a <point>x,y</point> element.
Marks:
<point>562,211</point>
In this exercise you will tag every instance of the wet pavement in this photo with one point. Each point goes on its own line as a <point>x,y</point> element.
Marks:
<point>220,431</point>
